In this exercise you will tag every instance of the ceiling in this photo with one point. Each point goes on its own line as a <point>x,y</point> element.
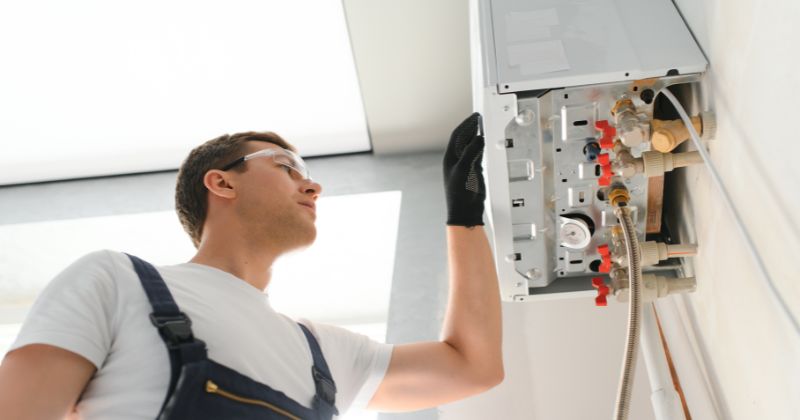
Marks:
<point>413,65</point>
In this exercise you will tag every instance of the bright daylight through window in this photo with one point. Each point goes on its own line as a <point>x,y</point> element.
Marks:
<point>110,88</point>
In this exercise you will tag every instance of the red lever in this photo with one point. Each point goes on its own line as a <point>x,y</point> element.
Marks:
<point>605,255</point>
<point>609,132</point>
<point>604,159</point>
<point>602,291</point>
<point>605,175</point>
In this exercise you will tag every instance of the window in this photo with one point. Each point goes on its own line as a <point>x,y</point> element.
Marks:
<point>98,88</point>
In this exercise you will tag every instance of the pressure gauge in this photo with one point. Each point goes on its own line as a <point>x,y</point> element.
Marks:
<point>574,233</point>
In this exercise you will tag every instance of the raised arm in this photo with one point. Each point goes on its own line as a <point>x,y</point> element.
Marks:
<point>468,359</point>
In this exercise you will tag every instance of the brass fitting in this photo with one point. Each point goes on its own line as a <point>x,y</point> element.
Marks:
<point>616,234</point>
<point>625,165</point>
<point>618,195</point>
<point>630,129</point>
<point>668,134</point>
<point>620,104</point>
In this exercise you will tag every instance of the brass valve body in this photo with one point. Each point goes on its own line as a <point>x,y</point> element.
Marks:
<point>668,134</point>
<point>618,195</point>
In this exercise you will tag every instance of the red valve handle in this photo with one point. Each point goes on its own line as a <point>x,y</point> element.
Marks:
<point>608,133</point>
<point>605,256</point>
<point>605,175</point>
<point>602,291</point>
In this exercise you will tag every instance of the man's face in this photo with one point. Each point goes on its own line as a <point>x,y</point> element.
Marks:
<point>274,202</point>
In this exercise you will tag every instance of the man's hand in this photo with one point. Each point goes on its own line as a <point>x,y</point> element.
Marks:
<point>463,174</point>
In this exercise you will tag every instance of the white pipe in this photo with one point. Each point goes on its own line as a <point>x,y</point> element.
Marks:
<point>665,400</point>
<point>762,267</point>
<point>681,250</point>
<point>680,160</point>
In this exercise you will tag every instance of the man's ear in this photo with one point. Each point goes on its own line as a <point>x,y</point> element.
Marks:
<point>219,183</point>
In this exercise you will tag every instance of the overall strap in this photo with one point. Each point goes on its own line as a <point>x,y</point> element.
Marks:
<point>174,327</point>
<point>325,398</point>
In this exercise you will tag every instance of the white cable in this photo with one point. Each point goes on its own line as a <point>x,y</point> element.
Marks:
<point>737,218</point>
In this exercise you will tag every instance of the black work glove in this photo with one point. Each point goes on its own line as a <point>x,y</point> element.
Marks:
<point>463,174</point>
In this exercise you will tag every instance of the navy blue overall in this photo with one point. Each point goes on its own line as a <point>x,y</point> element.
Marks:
<point>200,388</point>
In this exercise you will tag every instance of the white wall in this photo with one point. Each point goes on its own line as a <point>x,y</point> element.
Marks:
<point>753,353</point>
<point>562,361</point>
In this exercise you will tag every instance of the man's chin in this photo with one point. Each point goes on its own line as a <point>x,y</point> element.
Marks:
<point>297,235</point>
<point>311,240</point>
<point>307,237</point>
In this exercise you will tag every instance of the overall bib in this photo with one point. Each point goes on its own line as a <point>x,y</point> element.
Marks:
<point>200,388</point>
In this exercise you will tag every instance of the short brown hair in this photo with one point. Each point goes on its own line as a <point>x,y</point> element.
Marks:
<point>191,195</point>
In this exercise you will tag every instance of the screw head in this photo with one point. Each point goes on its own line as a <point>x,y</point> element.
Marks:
<point>525,117</point>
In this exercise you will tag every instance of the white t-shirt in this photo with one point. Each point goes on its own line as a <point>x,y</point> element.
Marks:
<point>98,309</point>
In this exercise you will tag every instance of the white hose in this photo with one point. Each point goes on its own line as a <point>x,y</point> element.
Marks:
<point>680,160</point>
<point>681,250</point>
<point>762,267</point>
<point>623,404</point>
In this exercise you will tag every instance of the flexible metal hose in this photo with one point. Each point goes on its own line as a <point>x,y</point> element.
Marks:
<point>623,404</point>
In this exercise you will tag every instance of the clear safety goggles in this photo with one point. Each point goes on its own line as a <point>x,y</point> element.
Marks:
<point>282,157</point>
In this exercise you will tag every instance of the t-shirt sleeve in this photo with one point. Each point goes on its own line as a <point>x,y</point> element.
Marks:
<point>75,310</point>
<point>357,363</point>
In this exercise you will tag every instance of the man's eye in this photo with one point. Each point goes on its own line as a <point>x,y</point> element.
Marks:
<point>289,170</point>
<point>282,160</point>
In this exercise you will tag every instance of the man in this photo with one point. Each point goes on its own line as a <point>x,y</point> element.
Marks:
<point>94,342</point>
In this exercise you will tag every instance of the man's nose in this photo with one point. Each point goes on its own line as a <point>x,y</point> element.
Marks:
<point>312,187</point>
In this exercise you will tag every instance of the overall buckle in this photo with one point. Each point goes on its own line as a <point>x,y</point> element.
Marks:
<point>326,389</point>
<point>174,329</point>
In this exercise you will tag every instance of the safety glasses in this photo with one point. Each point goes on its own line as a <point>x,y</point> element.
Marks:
<point>282,157</point>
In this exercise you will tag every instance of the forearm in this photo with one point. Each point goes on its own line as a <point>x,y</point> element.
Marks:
<point>469,358</point>
<point>472,324</point>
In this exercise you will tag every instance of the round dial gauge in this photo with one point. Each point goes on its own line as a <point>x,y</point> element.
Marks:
<point>574,233</point>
